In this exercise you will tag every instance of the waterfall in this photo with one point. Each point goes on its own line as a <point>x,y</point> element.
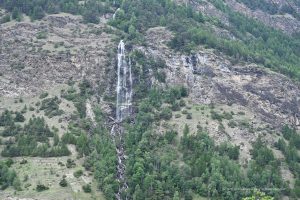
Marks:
<point>90,113</point>
<point>114,15</point>
<point>123,110</point>
<point>124,84</point>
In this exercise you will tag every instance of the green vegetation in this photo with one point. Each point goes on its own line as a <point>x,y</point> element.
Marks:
<point>63,183</point>
<point>42,35</point>
<point>79,99</point>
<point>19,117</point>
<point>254,41</point>
<point>41,188</point>
<point>159,166</point>
<point>103,159</point>
<point>290,151</point>
<point>270,7</point>
<point>5,18</point>
<point>259,195</point>
<point>265,45</point>
<point>30,140</point>
<point>6,118</point>
<point>78,173</point>
<point>44,95</point>
<point>51,107</point>
<point>36,9</point>
<point>8,176</point>
<point>87,188</point>
<point>70,163</point>
<point>142,65</point>
<point>17,66</point>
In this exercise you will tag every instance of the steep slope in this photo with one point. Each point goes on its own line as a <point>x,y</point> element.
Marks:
<point>281,15</point>
<point>212,79</point>
<point>199,100</point>
<point>58,49</point>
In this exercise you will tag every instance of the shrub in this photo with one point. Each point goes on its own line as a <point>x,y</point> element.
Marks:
<point>70,163</point>
<point>178,115</point>
<point>216,116</point>
<point>166,114</point>
<point>184,112</point>
<point>90,17</point>
<point>232,124</point>
<point>5,19</point>
<point>182,103</point>
<point>19,117</point>
<point>63,183</point>
<point>24,110</point>
<point>227,115</point>
<point>26,177</point>
<point>41,35</point>
<point>175,106</point>
<point>44,95</point>
<point>170,136</point>
<point>17,184</point>
<point>51,107</point>
<point>161,76</point>
<point>241,113</point>
<point>87,188</point>
<point>189,116</point>
<point>9,162</point>
<point>23,162</point>
<point>41,187</point>
<point>78,173</point>
<point>17,66</point>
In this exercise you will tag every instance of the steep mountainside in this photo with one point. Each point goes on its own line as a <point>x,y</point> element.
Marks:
<point>160,99</point>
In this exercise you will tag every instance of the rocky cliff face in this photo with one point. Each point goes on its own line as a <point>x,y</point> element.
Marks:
<point>269,99</point>
<point>284,22</point>
<point>281,21</point>
<point>213,78</point>
<point>46,55</point>
<point>37,55</point>
<point>59,49</point>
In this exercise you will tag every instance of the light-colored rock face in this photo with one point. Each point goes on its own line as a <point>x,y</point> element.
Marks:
<point>215,80</point>
<point>270,98</point>
<point>36,56</point>
<point>285,22</point>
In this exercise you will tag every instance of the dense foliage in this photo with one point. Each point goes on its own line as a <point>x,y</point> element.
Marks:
<point>30,140</point>
<point>51,107</point>
<point>163,166</point>
<point>8,176</point>
<point>271,7</point>
<point>290,151</point>
<point>254,41</point>
<point>36,9</point>
<point>169,164</point>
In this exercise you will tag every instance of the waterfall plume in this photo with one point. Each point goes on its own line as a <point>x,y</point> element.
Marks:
<point>124,85</point>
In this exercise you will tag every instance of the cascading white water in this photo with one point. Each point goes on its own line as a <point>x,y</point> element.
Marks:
<point>124,85</point>
<point>114,15</point>
<point>123,110</point>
